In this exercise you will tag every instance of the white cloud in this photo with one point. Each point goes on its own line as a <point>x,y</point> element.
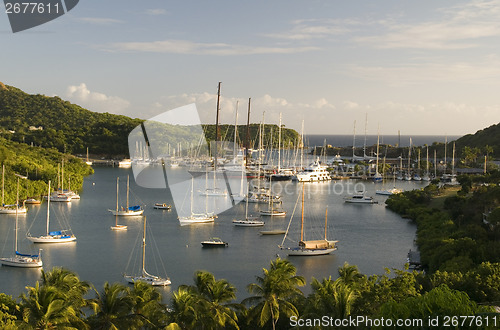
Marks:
<point>156,11</point>
<point>314,29</point>
<point>460,27</point>
<point>96,101</point>
<point>197,48</point>
<point>432,70</point>
<point>99,20</point>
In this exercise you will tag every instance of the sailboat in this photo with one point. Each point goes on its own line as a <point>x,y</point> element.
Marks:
<point>378,177</point>
<point>10,209</point>
<point>128,210</point>
<point>59,236</point>
<point>20,259</point>
<point>248,221</point>
<point>196,217</point>
<point>145,276</point>
<point>312,247</point>
<point>271,210</point>
<point>88,162</point>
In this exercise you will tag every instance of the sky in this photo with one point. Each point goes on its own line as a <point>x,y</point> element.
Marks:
<point>418,67</point>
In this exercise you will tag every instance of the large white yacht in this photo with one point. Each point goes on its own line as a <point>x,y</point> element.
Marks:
<point>314,172</point>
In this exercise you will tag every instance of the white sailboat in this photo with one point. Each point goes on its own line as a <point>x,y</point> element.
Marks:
<point>60,236</point>
<point>310,247</point>
<point>128,210</point>
<point>196,217</point>
<point>10,209</point>
<point>145,276</point>
<point>20,259</point>
<point>271,210</point>
<point>248,221</point>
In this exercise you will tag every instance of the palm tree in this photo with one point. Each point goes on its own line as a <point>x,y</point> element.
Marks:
<point>332,298</point>
<point>147,306</point>
<point>273,292</point>
<point>183,313</point>
<point>68,283</point>
<point>213,299</point>
<point>46,307</point>
<point>113,308</point>
<point>349,274</point>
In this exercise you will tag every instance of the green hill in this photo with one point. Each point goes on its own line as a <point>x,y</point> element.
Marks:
<point>39,165</point>
<point>51,122</point>
<point>489,136</point>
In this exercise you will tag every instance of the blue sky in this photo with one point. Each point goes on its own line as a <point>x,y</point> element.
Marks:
<point>421,67</point>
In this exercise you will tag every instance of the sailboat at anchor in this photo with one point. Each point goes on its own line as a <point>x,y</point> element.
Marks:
<point>20,259</point>
<point>145,276</point>
<point>128,210</point>
<point>309,247</point>
<point>60,236</point>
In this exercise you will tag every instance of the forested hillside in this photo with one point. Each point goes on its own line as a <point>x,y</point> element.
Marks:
<point>56,123</point>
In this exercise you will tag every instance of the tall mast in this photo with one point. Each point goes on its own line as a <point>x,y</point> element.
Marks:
<point>435,165</point>
<point>248,133</point>
<point>364,144</point>
<point>326,219</point>
<point>62,176</point>
<point>279,145</point>
<point>302,145</point>
<point>144,248</point>
<point>217,133</point>
<point>453,160</point>
<point>353,140</point>
<point>378,140</point>
<point>48,209</point>
<point>17,208</point>
<point>445,146</point>
<point>117,180</point>
<point>235,131</point>
<point>128,187</point>
<point>302,216</point>
<point>3,184</point>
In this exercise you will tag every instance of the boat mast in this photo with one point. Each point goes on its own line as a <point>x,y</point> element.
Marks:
<point>48,209</point>
<point>128,186</point>
<point>248,133</point>
<point>217,133</point>
<point>3,183</point>
<point>353,140</point>
<point>302,216</point>
<point>117,184</point>
<point>435,165</point>
<point>326,219</point>
<point>235,131</point>
<point>279,146</point>
<point>378,140</point>
<point>144,248</point>
<point>17,208</point>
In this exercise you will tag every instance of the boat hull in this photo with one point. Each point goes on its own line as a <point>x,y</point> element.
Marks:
<point>119,227</point>
<point>272,232</point>
<point>51,239</point>
<point>272,214</point>
<point>21,210</point>
<point>151,280</point>
<point>21,262</point>
<point>309,252</point>
<point>194,220</point>
<point>248,223</point>
<point>126,213</point>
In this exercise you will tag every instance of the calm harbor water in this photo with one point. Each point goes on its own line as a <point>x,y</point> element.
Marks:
<point>370,236</point>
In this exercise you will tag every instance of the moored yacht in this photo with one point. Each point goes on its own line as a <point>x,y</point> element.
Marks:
<point>315,172</point>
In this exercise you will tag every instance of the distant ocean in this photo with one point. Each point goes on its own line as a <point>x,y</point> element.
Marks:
<point>403,140</point>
